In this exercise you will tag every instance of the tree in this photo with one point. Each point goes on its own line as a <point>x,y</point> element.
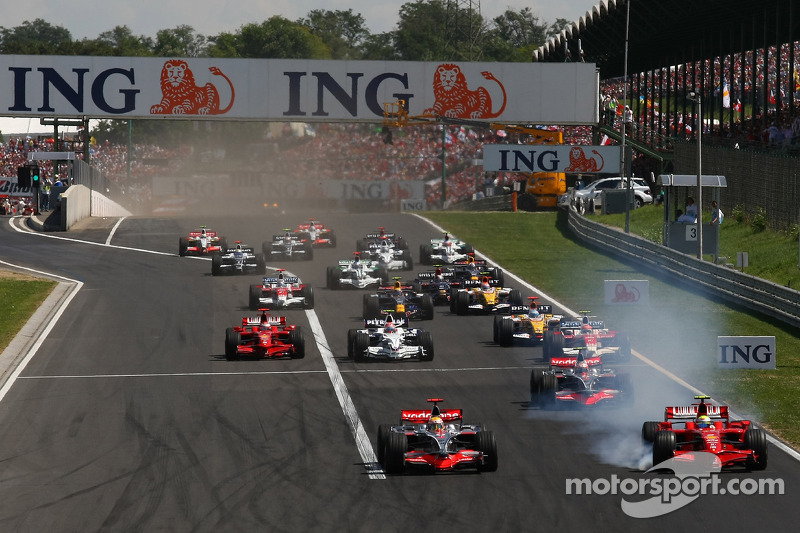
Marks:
<point>513,36</point>
<point>557,27</point>
<point>380,47</point>
<point>343,32</point>
<point>279,38</point>
<point>420,33</point>
<point>35,38</point>
<point>119,41</point>
<point>180,41</point>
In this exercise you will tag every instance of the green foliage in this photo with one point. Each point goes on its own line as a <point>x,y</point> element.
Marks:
<point>738,213</point>
<point>36,38</point>
<point>343,32</point>
<point>793,232</point>
<point>20,297</point>
<point>758,222</point>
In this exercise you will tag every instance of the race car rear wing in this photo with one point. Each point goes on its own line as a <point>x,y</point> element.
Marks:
<point>576,324</point>
<point>421,416</point>
<point>432,274</point>
<point>389,236</point>
<point>197,234</point>
<point>477,283</point>
<point>381,322</point>
<point>271,320</point>
<point>291,280</point>
<point>569,362</point>
<point>682,412</point>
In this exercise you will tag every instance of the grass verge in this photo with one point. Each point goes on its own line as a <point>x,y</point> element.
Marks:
<point>21,296</point>
<point>678,328</point>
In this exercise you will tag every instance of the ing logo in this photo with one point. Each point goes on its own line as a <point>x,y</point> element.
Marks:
<point>180,95</point>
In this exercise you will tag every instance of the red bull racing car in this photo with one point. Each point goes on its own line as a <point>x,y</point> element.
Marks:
<point>435,440</point>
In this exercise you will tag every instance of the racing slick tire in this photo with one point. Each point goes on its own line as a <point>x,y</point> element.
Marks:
<point>183,244</point>
<point>223,244</point>
<point>334,277</point>
<point>756,439</point>
<point>537,378</point>
<point>394,454</point>
<point>515,297</point>
<point>453,298</point>
<point>496,329</point>
<point>462,303</point>
<point>649,430</point>
<point>497,274</point>
<point>383,435</point>
<point>469,249</point>
<point>663,447</point>
<point>351,335</point>
<point>506,332</point>
<point>298,342</point>
<point>308,296</point>
<point>425,340</point>
<point>402,244</point>
<point>232,341</point>
<point>261,263</point>
<point>426,306</point>
<point>486,443</point>
<point>624,343</point>
<point>372,307</point>
<point>556,346</point>
<point>216,265</point>
<point>332,239</point>
<point>547,395</point>
<point>425,254</point>
<point>255,297</point>
<point>625,384</point>
<point>360,345</point>
<point>408,262</point>
<point>308,248</point>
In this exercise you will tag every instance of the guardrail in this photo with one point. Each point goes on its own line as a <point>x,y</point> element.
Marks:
<point>501,202</point>
<point>742,289</point>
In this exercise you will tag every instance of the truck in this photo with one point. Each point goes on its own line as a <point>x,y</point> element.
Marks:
<point>539,189</point>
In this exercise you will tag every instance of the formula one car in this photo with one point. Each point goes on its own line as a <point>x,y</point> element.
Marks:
<point>389,339</point>
<point>281,292</point>
<point>392,258</point>
<point>438,284</point>
<point>579,381</point>
<point>474,269</point>
<point>202,241</point>
<point>524,323</point>
<point>435,440</point>
<point>264,336</point>
<point>356,273</point>
<point>564,334</point>
<point>399,299</point>
<point>363,245</point>
<point>288,246</point>
<point>445,251</point>
<point>241,259</point>
<point>316,233</point>
<point>484,296</point>
<point>706,427</point>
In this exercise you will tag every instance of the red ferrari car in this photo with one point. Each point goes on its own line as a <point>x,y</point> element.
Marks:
<point>435,440</point>
<point>264,336</point>
<point>705,427</point>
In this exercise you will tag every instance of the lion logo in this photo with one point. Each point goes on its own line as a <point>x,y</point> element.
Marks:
<point>454,99</point>
<point>180,95</point>
<point>578,162</point>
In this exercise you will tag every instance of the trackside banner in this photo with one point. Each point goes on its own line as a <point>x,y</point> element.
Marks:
<point>541,158</point>
<point>295,90</point>
<point>746,352</point>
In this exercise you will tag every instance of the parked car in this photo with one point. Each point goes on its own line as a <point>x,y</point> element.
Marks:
<point>590,198</point>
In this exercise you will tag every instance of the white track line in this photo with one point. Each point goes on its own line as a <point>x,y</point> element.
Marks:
<point>780,444</point>
<point>349,409</point>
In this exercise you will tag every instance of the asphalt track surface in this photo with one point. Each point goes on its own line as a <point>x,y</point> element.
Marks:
<point>125,415</point>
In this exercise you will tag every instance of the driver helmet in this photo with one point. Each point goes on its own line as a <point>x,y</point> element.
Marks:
<point>533,312</point>
<point>471,260</point>
<point>356,259</point>
<point>238,247</point>
<point>446,237</point>
<point>202,232</point>
<point>485,284</point>
<point>703,421</point>
<point>435,424</point>
<point>312,226</point>
<point>389,326</point>
<point>581,367</point>
<point>281,281</point>
<point>439,275</point>
<point>287,236</point>
<point>398,287</point>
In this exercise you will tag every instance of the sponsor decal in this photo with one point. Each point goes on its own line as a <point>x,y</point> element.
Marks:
<point>746,352</point>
